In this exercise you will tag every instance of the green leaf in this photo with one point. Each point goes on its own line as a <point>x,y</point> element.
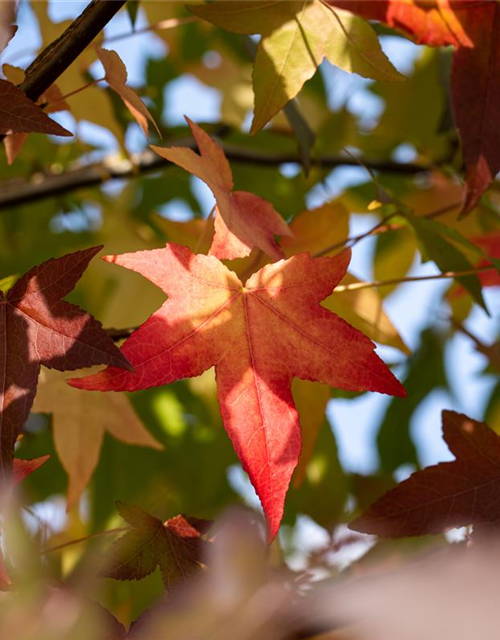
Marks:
<point>323,493</point>
<point>447,257</point>
<point>296,38</point>
<point>132,10</point>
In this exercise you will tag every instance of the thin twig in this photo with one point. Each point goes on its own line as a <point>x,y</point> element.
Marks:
<point>38,188</point>
<point>383,283</point>
<point>163,25</point>
<point>118,334</point>
<point>350,241</point>
<point>382,227</point>
<point>73,93</point>
<point>84,539</point>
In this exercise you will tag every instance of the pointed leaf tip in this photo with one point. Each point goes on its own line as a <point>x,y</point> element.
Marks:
<point>276,329</point>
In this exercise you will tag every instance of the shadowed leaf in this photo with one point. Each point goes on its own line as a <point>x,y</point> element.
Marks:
<point>175,546</point>
<point>449,494</point>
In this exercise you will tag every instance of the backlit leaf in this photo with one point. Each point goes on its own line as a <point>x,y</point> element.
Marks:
<point>242,220</point>
<point>258,336</point>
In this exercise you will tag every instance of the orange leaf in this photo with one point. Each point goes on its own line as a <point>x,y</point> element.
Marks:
<point>116,77</point>
<point>242,220</point>
<point>473,28</point>
<point>258,336</point>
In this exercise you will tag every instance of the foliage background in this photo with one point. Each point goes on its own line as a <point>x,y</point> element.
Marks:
<point>204,72</point>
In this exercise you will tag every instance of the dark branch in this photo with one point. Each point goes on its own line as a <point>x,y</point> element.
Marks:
<point>17,192</point>
<point>61,53</point>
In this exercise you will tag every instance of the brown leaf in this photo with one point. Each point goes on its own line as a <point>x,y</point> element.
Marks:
<point>175,546</point>
<point>19,114</point>
<point>116,77</point>
<point>38,327</point>
<point>449,494</point>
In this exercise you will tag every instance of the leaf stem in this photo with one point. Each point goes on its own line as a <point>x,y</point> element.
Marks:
<point>73,93</point>
<point>163,25</point>
<point>382,227</point>
<point>84,539</point>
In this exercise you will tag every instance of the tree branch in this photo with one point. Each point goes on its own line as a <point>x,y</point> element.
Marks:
<point>58,56</point>
<point>355,286</point>
<point>40,187</point>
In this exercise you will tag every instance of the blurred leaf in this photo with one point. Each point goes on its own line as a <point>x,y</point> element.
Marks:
<point>175,546</point>
<point>132,7</point>
<point>79,424</point>
<point>323,492</point>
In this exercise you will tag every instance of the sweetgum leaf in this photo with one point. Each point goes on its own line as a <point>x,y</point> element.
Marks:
<point>116,77</point>
<point>258,336</point>
<point>473,28</point>
<point>449,494</point>
<point>242,220</point>
<point>19,114</point>
<point>78,427</point>
<point>37,327</point>
<point>175,546</point>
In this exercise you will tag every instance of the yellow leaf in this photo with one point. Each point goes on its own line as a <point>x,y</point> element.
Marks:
<point>318,229</point>
<point>197,234</point>
<point>79,424</point>
<point>116,77</point>
<point>363,309</point>
<point>311,399</point>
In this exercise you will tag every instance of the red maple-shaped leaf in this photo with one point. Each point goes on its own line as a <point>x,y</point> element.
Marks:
<point>37,327</point>
<point>473,28</point>
<point>258,336</point>
<point>18,114</point>
<point>175,546</point>
<point>242,220</point>
<point>21,469</point>
<point>450,494</point>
